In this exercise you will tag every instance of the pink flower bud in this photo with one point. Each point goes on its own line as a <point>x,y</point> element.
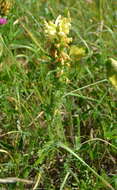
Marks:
<point>3,21</point>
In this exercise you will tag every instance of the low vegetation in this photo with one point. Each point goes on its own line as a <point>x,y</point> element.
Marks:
<point>58,110</point>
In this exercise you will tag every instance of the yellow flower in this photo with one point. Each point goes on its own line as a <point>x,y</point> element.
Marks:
<point>64,26</point>
<point>112,71</point>
<point>63,30</point>
<point>65,40</point>
<point>77,52</point>
<point>5,7</point>
<point>59,30</point>
<point>50,29</point>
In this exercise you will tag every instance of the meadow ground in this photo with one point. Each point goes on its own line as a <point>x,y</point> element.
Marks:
<point>58,133</point>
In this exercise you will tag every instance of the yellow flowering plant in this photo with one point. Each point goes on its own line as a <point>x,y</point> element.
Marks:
<point>61,50</point>
<point>62,56</point>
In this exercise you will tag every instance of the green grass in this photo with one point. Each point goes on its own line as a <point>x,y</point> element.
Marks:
<point>56,135</point>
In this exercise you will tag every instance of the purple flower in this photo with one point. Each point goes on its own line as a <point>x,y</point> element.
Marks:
<point>3,21</point>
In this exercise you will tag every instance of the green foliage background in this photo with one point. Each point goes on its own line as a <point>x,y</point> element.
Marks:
<point>38,113</point>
